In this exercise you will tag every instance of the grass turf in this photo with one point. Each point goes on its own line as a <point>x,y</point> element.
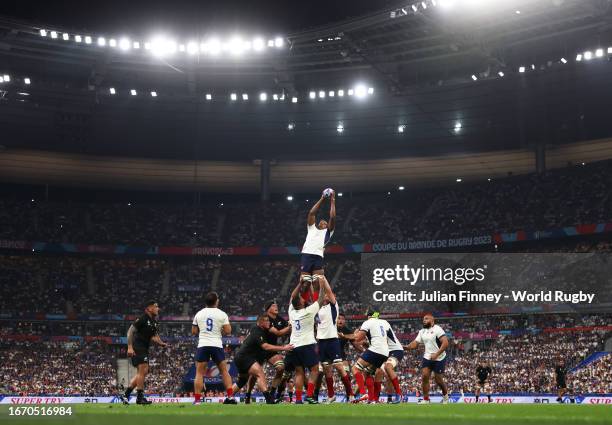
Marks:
<point>434,414</point>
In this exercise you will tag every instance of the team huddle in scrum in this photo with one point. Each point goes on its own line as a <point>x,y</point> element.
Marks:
<point>318,341</point>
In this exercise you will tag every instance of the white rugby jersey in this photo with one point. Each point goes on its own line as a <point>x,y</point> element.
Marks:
<point>431,339</point>
<point>316,239</point>
<point>394,342</point>
<point>328,316</point>
<point>302,325</point>
<point>210,321</point>
<point>377,331</point>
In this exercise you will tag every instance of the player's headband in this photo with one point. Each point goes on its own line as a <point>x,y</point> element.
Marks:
<point>373,313</point>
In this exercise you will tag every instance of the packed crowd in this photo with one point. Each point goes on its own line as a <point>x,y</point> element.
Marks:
<point>564,197</point>
<point>521,362</point>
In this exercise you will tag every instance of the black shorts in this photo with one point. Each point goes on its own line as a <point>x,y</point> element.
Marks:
<point>141,356</point>
<point>561,384</point>
<point>244,363</point>
<point>311,262</point>
<point>481,381</point>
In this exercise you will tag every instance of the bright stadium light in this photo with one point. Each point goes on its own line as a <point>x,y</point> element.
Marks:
<point>153,94</point>
<point>192,47</point>
<point>263,97</point>
<point>340,93</point>
<point>259,44</point>
<point>278,42</point>
<point>236,46</point>
<point>208,96</point>
<point>101,41</point>
<point>7,78</point>
<point>1,79</point>
<point>291,126</point>
<point>474,77</point>
<point>458,126</point>
<point>133,92</point>
<point>351,92</point>
<point>294,99</point>
<point>65,36</point>
<point>181,48</point>
<point>275,96</point>
<point>415,8</point>
<point>233,96</point>
<point>161,46</point>
<point>401,188</point>
<point>245,96</point>
<point>501,73</point>
<point>322,94</point>
<point>43,33</point>
<point>112,42</point>
<point>270,43</point>
<point>289,198</point>
<point>124,44</point>
<point>563,60</point>
<point>588,55</point>
<point>78,38</point>
<point>610,50</point>
<point>136,45</point>
<point>340,194</point>
<point>401,128</point>
<point>459,180</point>
<point>213,46</point>
<point>521,69</point>
<point>578,57</point>
<point>312,95</point>
<point>112,90</point>
<point>54,34</point>
<point>87,39</point>
<point>331,93</point>
<point>360,91</point>
<point>599,53</point>
<point>370,90</point>
<point>340,128</point>
<point>26,80</point>
<point>147,45</point>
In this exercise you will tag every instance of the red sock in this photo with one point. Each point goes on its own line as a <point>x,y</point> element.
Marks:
<point>377,387</point>
<point>426,397</point>
<point>330,386</point>
<point>197,397</point>
<point>370,385</point>
<point>347,384</point>
<point>298,395</point>
<point>360,382</point>
<point>310,389</point>
<point>230,392</point>
<point>396,386</point>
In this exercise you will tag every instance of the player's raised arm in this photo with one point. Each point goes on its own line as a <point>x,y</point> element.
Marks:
<point>328,291</point>
<point>323,290</point>
<point>332,212</point>
<point>312,214</point>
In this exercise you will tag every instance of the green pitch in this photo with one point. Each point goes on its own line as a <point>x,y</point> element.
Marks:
<point>434,414</point>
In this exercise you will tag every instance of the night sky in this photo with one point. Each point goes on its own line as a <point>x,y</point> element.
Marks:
<point>188,17</point>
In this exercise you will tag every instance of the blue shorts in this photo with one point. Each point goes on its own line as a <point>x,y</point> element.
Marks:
<point>398,354</point>
<point>305,356</point>
<point>206,354</point>
<point>311,262</point>
<point>329,351</point>
<point>375,359</point>
<point>436,366</point>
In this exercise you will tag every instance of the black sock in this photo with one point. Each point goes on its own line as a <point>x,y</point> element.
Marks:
<point>128,391</point>
<point>268,397</point>
<point>139,394</point>
<point>280,390</point>
<point>290,396</point>
<point>477,397</point>
<point>489,397</point>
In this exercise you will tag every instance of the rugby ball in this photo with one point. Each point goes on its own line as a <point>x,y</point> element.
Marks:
<point>328,192</point>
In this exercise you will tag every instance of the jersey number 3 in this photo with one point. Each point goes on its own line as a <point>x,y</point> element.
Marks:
<point>297,325</point>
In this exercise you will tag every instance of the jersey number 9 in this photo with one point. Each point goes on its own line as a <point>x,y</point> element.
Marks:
<point>209,324</point>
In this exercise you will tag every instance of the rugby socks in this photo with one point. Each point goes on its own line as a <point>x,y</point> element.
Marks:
<point>197,397</point>
<point>230,392</point>
<point>330,386</point>
<point>377,388</point>
<point>396,386</point>
<point>298,395</point>
<point>370,386</point>
<point>310,390</point>
<point>128,391</point>
<point>139,394</point>
<point>346,380</point>
<point>290,396</point>
<point>360,382</point>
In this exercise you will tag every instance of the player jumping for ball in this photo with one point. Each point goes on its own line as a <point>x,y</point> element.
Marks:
<point>312,252</point>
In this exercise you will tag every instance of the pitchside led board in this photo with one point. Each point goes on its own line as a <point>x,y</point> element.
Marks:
<point>487,282</point>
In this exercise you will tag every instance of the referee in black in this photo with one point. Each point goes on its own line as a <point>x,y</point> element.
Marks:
<point>482,373</point>
<point>252,354</point>
<point>561,378</point>
<point>139,337</point>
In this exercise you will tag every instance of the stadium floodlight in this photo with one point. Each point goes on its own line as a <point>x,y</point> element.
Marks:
<point>501,73</point>
<point>459,180</point>
<point>192,47</point>
<point>208,96</point>
<point>153,94</point>
<point>610,50</point>
<point>147,45</point>
<point>294,99</point>
<point>275,96</point>
<point>340,194</point>
<point>112,42</point>
<point>43,33</point>
<point>401,188</point>
<point>181,47</point>
<point>263,97</point>
<point>312,95</point>
<point>136,45</point>
<point>289,198</point>
<point>112,90</point>
<point>87,39</point>
<point>54,34</point>
<point>424,5</point>
<point>233,96</point>
<point>213,46</point>
<point>331,93</point>
<point>533,66</point>
<point>236,46</point>
<point>599,53</point>
<point>124,44</point>
<point>588,55</point>
<point>161,46</point>
<point>101,41</point>
<point>360,91</point>
<point>458,126</point>
<point>26,80</point>
<point>65,36</point>
<point>578,57</point>
<point>78,38</point>
<point>278,42</point>
<point>291,126</point>
<point>340,93</point>
<point>351,92</point>
<point>270,43</point>
<point>245,96</point>
<point>258,44</point>
<point>401,128</point>
<point>7,78</point>
<point>133,92</point>
<point>518,12</point>
<point>563,60</point>
<point>415,8</point>
<point>340,128</point>
<point>370,90</point>
<point>1,79</point>
<point>322,94</point>
<point>474,77</point>
<point>521,69</point>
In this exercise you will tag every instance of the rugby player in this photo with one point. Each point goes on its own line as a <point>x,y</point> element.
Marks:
<point>210,324</point>
<point>482,373</point>
<point>279,328</point>
<point>396,354</point>
<point>435,341</point>
<point>139,337</point>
